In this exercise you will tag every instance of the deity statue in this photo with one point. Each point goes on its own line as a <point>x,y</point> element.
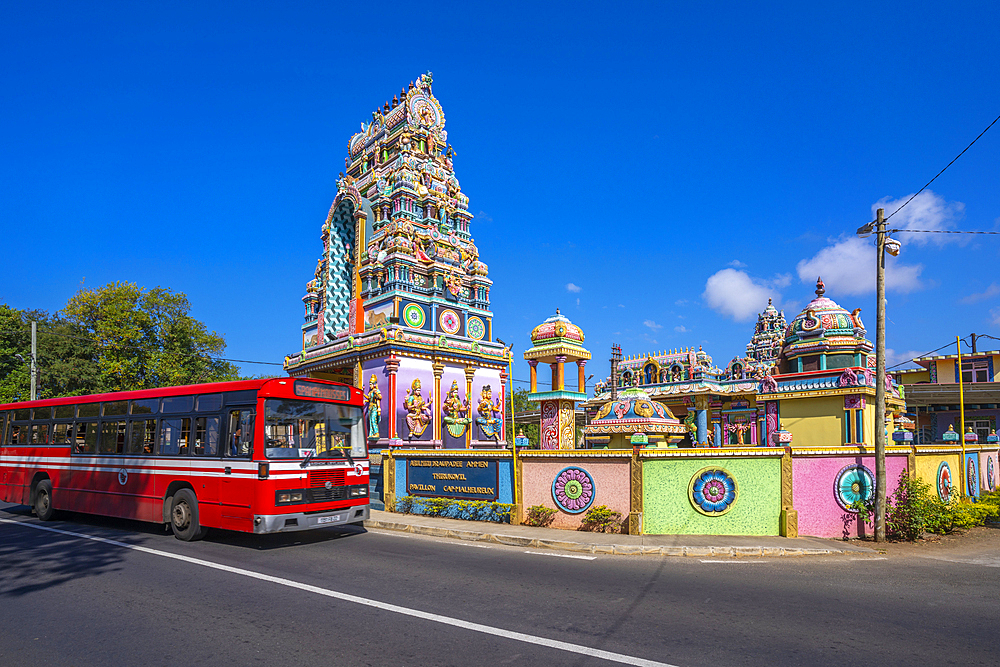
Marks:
<point>455,412</point>
<point>453,283</point>
<point>418,411</point>
<point>373,404</point>
<point>489,421</point>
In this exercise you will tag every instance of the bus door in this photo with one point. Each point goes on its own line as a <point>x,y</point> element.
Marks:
<point>239,474</point>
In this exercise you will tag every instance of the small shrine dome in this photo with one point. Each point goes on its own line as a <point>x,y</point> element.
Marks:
<point>824,329</point>
<point>557,338</point>
<point>557,326</point>
<point>633,411</point>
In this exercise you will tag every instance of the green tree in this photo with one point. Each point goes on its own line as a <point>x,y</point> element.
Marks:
<point>521,404</point>
<point>147,338</point>
<point>66,356</point>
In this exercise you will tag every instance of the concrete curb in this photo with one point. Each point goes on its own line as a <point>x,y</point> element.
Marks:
<point>604,549</point>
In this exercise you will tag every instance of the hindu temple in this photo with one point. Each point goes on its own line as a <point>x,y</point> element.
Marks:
<point>399,303</point>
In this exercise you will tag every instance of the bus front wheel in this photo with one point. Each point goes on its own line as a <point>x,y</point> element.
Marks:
<point>43,501</point>
<point>184,516</point>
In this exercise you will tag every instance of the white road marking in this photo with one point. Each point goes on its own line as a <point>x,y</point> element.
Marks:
<point>748,562</point>
<point>546,553</point>
<point>876,558</point>
<point>465,544</point>
<point>385,606</point>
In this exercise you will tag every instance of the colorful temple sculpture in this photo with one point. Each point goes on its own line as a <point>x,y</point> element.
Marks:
<point>715,408</point>
<point>811,381</point>
<point>824,393</point>
<point>556,342</point>
<point>400,302</point>
<point>633,419</point>
<point>764,347</point>
<point>933,396</point>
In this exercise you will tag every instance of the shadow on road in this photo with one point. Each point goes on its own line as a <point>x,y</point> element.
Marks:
<point>35,560</point>
<point>283,540</point>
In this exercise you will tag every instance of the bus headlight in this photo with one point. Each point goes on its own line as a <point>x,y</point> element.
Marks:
<point>296,497</point>
<point>284,497</point>
<point>359,491</point>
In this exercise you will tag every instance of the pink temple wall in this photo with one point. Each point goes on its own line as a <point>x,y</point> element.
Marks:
<point>985,457</point>
<point>813,493</point>
<point>611,482</point>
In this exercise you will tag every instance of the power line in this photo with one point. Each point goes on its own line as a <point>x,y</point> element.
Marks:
<point>943,170</point>
<point>937,231</point>
<point>925,354</point>
<point>142,348</point>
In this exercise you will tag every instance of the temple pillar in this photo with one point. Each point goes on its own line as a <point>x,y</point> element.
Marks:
<point>582,380</point>
<point>534,376</point>
<point>560,372</point>
<point>357,309</point>
<point>701,418</point>
<point>391,366</point>
<point>470,372</point>
<point>504,401</point>
<point>438,369</point>
<point>555,376</point>
<point>717,433</point>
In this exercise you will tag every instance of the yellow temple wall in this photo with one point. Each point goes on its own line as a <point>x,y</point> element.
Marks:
<point>815,422</point>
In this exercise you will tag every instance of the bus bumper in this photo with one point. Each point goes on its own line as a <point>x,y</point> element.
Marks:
<point>284,523</point>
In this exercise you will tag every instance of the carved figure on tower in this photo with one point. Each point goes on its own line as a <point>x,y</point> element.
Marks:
<point>489,420</point>
<point>418,411</point>
<point>373,403</point>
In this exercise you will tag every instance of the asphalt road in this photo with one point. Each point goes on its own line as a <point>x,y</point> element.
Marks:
<point>145,598</point>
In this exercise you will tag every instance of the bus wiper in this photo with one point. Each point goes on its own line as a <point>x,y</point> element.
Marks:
<point>307,459</point>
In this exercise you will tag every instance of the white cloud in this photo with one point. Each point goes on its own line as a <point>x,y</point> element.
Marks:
<point>991,291</point>
<point>737,264</point>
<point>578,302</point>
<point>847,266</point>
<point>652,325</point>
<point>735,294</point>
<point>782,280</point>
<point>995,316</point>
<point>570,287</point>
<point>927,211</point>
<point>681,329</point>
<point>681,302</point>
<point>484,217</point>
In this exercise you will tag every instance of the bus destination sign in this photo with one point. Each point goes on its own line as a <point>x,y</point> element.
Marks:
<point>459,478</point>
<point>316,390</point>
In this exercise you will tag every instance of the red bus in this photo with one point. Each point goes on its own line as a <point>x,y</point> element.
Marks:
<point>259,456</point>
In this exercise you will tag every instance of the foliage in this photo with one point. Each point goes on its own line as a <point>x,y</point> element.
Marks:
<point>521,404</point>
<point>468,510</point>
<point>601,519</point>
<point>539,515</point>
<point>914,509</point>
<point>66,356</point>
<point>146,338</point>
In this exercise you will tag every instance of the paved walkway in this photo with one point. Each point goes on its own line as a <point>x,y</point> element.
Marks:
<point>730,546</point>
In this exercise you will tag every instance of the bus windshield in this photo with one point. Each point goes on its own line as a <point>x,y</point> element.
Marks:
<point>297,429</point>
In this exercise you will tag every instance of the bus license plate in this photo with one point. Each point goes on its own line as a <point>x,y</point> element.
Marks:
<point>328,519</point>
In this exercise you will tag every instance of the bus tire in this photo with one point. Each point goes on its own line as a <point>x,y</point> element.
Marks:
<point>184,516</point>
<point>43,501</point>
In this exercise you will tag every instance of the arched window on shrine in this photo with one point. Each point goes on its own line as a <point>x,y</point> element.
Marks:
<point>627,379</point>
<point>737,371</point>
<point>650,372</point>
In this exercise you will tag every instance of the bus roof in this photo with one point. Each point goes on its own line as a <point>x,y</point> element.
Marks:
<point>180,390</point>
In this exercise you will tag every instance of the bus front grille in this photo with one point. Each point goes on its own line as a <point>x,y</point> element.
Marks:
<point>319,478</point>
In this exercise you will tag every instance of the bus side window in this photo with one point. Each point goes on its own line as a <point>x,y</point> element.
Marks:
<point>175,433</point>
<point>143,436</point>
<point>86,438</point>
<point>39,434</point>
<point>19,434</point>
<point>112,437</point>
<point>206,436</point>
<point>240,438</point>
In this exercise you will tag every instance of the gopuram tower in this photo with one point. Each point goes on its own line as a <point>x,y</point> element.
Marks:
<point>400,303</point>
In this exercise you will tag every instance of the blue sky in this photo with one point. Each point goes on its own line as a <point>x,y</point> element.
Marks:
<point>654,170</point>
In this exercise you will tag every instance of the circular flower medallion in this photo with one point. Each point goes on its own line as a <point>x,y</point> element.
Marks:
<point>972,476</point>
<point>414,316</point>
<point>450,322</point>
<point>573,490</point>
<point>475,328</point>
<point>990,474</point>
<point>713,491</point>
<point>944,482</point>
<point>853,483</point>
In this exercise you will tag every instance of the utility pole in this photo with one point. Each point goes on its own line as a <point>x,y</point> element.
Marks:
<point>961,414</point>
<point>880,379</point>
<point>34,360</point>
